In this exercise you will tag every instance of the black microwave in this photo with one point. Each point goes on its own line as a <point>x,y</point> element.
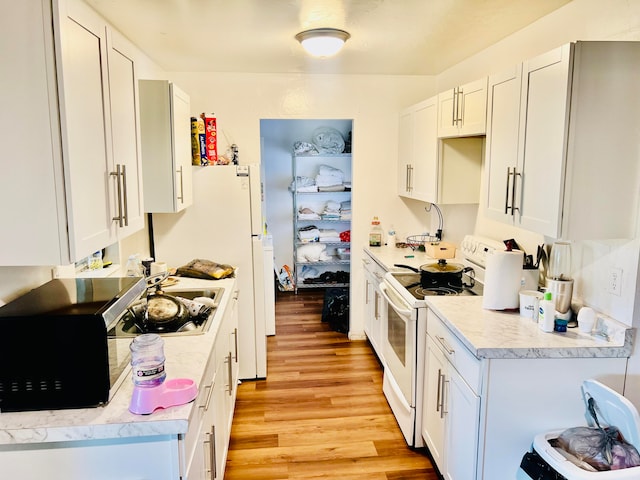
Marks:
<point>54,348</point>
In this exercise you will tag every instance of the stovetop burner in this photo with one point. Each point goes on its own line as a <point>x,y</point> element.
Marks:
<point>411,281</point>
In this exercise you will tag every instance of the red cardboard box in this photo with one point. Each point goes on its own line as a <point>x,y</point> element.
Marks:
<point>211,137</point>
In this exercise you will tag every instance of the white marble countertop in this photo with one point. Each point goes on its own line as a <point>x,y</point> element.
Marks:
<point>388,256</point>
<point>186,357</point>
<point>505,334</point>
<point>501,334</point>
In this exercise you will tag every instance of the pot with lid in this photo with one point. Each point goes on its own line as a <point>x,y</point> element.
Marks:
<point>441,274</point>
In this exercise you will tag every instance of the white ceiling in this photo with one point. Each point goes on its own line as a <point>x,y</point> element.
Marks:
<point>396,37</point>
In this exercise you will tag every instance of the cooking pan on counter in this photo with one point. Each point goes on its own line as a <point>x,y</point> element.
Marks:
<point>442,274</point>
<point>160,313</point>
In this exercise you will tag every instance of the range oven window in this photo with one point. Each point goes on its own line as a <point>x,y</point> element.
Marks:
<point>397,334</point>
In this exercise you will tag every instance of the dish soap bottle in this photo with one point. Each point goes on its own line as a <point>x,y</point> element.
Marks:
<point>546,318</point>
<point>375,235</point>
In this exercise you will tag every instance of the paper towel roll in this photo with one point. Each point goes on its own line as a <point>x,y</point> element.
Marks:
<point>502,277</point>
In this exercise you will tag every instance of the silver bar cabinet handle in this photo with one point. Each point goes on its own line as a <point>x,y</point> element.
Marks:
<point>117,174</point>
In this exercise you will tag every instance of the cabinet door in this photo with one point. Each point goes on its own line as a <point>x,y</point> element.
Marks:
<point>448,113</point>
<point>180,119</point>
<point>84,107</point>
<point>166,146</point>
<point>463,420</point>
<point>433,413</point>
<point>34,218</point>
<point>218,430</point>
<point>123,92</point>
<point>543,140</point>
<point>405,146</point>
<point>418,151</point>
<point>368,306</point>
<point>503,121</point>
<point>425,151</point>
<point>473,108</point>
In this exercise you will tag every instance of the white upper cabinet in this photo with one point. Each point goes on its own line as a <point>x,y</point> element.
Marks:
<point>418,151</point>
<point>571,170</point>
<point>436,170</point>
<point>502,143</point>
<point>462,111</point>
<point>166,146</point>
<point>65,196</point>
<point>125,129</point>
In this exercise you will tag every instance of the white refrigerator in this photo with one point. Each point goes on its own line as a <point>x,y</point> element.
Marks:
<point>225,224</point>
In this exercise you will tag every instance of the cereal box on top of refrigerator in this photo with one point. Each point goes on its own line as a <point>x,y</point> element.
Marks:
<point>198,145</point>
<point>211,137</point>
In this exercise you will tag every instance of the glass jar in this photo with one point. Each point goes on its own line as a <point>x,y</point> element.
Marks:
<point>147,360</point>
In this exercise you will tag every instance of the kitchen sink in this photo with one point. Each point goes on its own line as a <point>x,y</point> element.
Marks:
<point>126,325</point>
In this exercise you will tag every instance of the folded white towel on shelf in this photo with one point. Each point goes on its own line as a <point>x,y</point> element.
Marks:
<point>324,233</point>
<point>308,189</point>
<point>331,188</point>
<point>329,170</point>
<point>332,206</point>
<point>309,235</point>
<point>312,252</point>
<point>328,180</point>
<point>309,216</point>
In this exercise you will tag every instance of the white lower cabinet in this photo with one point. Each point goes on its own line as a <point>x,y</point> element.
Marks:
<point>206,456</point>
<point>200,454</point>
<point>480,415</point>
<point>451,408</point>
<point>375,304</point>
<point>142,458</point>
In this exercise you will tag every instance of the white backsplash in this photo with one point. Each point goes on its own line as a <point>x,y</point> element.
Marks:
<point>593,262</point>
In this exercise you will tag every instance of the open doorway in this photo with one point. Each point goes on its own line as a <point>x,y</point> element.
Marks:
<point>327,209</point>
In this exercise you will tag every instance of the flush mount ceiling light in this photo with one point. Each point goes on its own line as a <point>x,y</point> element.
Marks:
<point>322,42</point>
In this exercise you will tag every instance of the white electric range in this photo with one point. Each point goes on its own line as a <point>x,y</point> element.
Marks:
<point>405,332</point>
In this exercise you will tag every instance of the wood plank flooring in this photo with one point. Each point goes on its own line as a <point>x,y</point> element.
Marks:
<point>321,413</point>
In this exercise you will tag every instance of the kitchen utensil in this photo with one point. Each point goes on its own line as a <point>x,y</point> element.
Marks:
<point>562,291</point>
<point>530,303</point>
<point>530,278</point>
<point>502,280</point>
<point>440,274</point>
<point>560,261</point>
<point>154,280</point>
<point>164,313</point>
<point>539,255</point>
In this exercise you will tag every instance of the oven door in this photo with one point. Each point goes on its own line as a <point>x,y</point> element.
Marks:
<point>399,342</point>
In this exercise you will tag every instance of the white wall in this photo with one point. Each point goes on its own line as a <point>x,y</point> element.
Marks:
<point>240,101</point>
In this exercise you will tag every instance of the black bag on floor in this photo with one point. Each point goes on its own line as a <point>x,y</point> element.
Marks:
<point>336,309</point>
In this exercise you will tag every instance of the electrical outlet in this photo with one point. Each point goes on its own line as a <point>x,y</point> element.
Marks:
<point>615,281</point>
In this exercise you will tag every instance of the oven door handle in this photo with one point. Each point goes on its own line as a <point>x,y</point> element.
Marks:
<point>405,312</point>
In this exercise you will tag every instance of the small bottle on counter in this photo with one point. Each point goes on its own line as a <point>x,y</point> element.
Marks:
<point>546,317</point>
<point>134,267</point>
<point>391,237</point>
<point>147,360</point>
<point>375,235</point>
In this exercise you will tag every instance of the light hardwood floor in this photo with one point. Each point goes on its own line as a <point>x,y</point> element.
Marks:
<point>321,412</point>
